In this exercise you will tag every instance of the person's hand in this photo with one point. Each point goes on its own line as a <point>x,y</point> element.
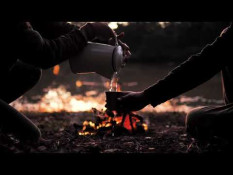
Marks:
<point>133,101</point>
<point>102,32</point>
<point>99,31</point>
<point>126,52</point>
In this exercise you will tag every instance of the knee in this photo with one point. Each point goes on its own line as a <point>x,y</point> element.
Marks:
<point>36,135</point>
<point>192,116</point>
<point>33,134</point>
<point>193,121</point>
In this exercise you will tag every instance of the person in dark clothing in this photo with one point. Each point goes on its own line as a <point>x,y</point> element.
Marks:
<point>203,122</point>
<point>31,47</point>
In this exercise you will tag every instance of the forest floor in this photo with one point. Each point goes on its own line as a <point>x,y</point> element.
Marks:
<point>166,134</point>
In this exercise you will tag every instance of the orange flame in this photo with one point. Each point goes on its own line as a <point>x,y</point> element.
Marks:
<point>129,121</point>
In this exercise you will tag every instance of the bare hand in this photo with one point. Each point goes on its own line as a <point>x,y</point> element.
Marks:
<point>102,32</point>
<point>124,46</point>
<point>133,101</point>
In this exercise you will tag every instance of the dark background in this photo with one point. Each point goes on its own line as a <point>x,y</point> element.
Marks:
<point>174,42</point>
<point>156,49</point>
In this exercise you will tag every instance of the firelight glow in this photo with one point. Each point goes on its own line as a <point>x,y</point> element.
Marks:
<point>114,25</point>
<point>163,24</point>
<point>59,99</point>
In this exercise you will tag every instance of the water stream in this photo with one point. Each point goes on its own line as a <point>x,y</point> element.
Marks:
<point>114,82</point>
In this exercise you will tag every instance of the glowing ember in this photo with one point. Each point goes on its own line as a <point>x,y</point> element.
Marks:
<point>56,70</point>
<point>111,122</point>
<point>79,83</point>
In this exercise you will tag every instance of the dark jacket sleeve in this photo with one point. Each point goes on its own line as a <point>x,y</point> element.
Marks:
<point>45,53</point>
<point>195,71</point>
<point>51,30</point>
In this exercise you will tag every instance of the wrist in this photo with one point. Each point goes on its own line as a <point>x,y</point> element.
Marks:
<point>148,96</point>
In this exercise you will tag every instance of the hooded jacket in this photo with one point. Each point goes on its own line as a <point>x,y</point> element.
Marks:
<point>41,44</point>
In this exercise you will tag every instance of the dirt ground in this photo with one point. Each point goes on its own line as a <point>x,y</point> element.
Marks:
<point>166,134</point>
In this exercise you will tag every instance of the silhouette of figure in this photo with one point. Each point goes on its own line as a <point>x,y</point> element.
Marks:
<point>202,122</point>
<point>30,47</point>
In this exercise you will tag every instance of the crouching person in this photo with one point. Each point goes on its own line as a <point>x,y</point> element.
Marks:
<point>31,47</point>
<point>203,122</point>
<point>206,122</point>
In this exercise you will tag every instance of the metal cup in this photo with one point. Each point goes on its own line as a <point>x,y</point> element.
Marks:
<point>111,99</point>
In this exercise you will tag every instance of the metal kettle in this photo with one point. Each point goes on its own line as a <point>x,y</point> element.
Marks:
<point>100,58</point>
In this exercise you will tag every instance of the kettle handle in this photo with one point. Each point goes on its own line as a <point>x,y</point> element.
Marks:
<point>117,43</point>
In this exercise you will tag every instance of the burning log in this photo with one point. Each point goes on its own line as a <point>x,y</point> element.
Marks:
<point>113,123</point>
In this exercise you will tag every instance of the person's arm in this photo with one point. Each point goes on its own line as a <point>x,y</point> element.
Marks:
<point>94,32</point>
<point>196,70</point>
<point>34,49</point>
<point>51,30</point>
<point>193,72</point>
<point>45,53</point>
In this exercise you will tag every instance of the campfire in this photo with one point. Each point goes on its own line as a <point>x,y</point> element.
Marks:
<point>113,123</point>
<point>105,122</point>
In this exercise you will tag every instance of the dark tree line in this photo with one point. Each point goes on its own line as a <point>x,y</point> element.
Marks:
<point>149,42</point>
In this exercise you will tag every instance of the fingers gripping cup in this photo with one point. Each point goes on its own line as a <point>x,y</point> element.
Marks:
<point>111,100</point>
